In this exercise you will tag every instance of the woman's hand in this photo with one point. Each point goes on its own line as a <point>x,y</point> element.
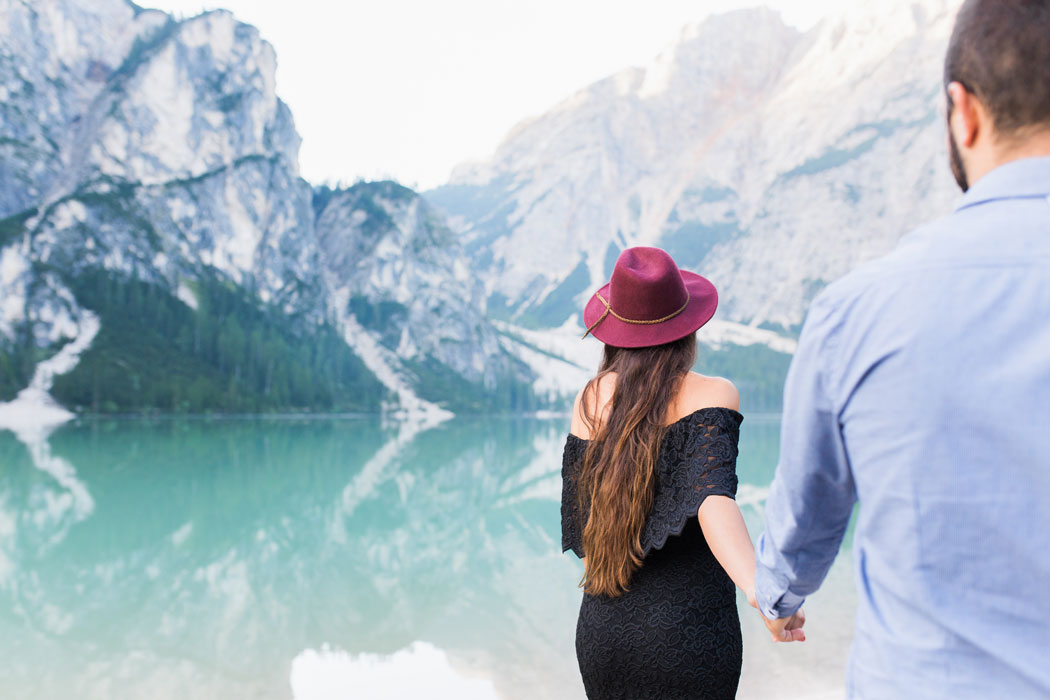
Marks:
<point>787,629</point>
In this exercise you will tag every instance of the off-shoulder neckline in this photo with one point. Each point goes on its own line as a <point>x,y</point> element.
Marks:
<point>733,414</point>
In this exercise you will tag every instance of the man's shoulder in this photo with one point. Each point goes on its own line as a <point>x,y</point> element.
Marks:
<point>879,275</point>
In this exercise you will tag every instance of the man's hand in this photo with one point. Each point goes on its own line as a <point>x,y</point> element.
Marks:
<point>787,629</point>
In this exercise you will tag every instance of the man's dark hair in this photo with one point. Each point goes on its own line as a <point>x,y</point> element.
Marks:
<point>1000,51</point>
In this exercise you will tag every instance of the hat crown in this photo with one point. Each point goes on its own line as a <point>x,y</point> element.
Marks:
<point>646,285</point>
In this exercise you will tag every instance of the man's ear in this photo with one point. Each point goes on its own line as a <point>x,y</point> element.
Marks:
<point>966,116</point>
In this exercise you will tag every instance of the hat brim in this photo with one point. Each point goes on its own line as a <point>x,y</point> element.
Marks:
<point>703,301</point>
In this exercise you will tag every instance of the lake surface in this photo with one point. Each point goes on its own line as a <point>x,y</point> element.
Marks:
<point>323,557</point>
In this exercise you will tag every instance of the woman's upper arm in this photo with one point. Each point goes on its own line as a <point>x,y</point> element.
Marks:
<point>577,426</point>
<point>714,507</point>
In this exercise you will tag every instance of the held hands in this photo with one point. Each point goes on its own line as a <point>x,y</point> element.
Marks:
<point>785,629</point>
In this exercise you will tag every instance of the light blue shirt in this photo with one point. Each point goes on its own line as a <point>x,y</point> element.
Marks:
<point>921,389</point>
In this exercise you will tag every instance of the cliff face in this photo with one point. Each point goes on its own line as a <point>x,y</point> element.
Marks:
<point>392,263</point>
<point>140,149</point>
<point>770,160</point>
<point>399,283</point>
<point>148,174</point>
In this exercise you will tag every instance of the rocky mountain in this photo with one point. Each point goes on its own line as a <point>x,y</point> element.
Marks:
<point>399,284</point>
<point>149,193</point>
<point>771,160</point>
<point>149,178</point>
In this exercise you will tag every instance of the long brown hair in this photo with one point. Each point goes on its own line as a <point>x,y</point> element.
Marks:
<point>617,478</point>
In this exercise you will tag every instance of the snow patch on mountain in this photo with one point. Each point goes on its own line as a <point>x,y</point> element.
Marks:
<point>187,296</point>
<point>719,334</point>
<point>34,413</point>
<point>386,367</point>
<point>562,361</point>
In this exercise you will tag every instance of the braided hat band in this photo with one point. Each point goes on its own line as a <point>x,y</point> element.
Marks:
<point>609,310</point>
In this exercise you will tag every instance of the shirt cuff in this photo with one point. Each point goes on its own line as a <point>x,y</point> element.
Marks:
<point>785,606</point>
<point>773,598</point>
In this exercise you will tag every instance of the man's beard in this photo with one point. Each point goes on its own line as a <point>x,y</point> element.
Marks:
<point>955,160</point>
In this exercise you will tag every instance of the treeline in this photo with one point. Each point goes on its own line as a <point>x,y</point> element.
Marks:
<point>757,371</point>
<point>154,353</point>
<point>442,385</point>
<point>16,364</point>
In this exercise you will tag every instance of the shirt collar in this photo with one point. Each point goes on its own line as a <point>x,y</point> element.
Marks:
<point>1024,178</point>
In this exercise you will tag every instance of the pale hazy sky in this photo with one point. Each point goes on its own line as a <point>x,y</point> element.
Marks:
<point>407,89</point>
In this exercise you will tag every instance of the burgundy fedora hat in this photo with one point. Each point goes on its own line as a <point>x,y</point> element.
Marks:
<point>649,301</point>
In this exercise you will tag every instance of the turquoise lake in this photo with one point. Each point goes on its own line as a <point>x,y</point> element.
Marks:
<point>321,558</point>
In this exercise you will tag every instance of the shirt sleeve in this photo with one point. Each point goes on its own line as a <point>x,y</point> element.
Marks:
<point>812,495</point>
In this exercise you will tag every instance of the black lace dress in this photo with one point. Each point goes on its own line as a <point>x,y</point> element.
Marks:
<point>675,633</point>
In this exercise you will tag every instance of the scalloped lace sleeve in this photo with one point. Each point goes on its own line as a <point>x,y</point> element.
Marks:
<point>571,522</point>
<point>698,460</point>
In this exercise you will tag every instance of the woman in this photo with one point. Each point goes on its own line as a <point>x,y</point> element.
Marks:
<point>647,499</point>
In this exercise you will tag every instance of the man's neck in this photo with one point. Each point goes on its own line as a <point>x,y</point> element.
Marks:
<point>1035,145</point>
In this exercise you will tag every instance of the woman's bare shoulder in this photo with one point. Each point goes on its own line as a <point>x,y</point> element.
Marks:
<point>599,399</point>
<point>578,427</point>
<point>700,391</point>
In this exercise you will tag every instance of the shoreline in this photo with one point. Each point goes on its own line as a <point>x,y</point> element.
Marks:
<point>347,415</point>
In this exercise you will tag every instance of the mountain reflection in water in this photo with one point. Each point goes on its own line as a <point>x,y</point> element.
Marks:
<point>209,557</point>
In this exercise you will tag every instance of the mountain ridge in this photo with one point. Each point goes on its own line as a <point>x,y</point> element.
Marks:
<point>148,169</point>
<point>710,150</point>
<point>152,171</point>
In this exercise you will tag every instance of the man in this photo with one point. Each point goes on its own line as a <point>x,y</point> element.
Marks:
<point>921,388</point>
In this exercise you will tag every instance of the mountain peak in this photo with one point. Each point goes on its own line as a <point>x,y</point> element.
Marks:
<point>151,164</point>
<point>722,151</point>
<point>701,46</point>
